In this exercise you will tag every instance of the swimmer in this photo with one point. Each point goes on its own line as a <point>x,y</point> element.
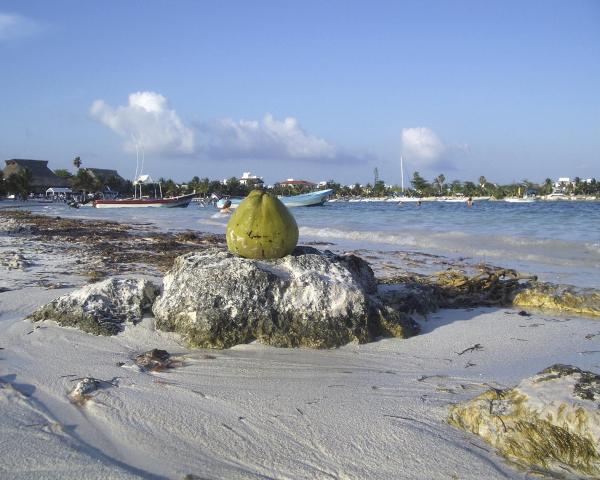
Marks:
<point>470,202</point>
<point>226,207</point>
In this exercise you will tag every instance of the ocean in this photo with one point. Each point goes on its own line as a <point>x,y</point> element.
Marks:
<point>558,241</point>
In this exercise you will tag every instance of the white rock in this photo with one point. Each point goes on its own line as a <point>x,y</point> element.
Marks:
<point>550,421</point>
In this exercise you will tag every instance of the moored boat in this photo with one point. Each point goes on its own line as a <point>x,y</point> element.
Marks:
<point>304,200</point>
<point>181,201</point>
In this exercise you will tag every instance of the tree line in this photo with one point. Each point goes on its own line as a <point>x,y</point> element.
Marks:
<point>82,180</point>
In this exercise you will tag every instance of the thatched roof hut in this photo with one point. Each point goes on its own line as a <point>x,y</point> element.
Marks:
<point>42,177</point>
<point>104,174</point>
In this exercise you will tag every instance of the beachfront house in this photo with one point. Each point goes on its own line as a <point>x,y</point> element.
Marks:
<point>41,177</point>
<point>294,187</point>
<point>562,184</point>
<point>299,184</point>
<point>251,180</point>
<point>110,180</point>
<point>105,175</point>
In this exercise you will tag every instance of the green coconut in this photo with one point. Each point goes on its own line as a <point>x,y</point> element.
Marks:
<point>262,227</point>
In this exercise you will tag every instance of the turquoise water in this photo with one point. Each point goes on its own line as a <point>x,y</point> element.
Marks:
<point>560,241</point>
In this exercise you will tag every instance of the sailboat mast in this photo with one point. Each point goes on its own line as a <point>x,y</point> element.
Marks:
<point>402,172</point>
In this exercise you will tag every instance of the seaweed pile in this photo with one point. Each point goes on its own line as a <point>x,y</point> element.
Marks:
<point>490,287</point>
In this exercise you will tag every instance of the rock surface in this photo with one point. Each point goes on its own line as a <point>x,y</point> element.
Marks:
<point>309,298</point>
<point>562,298</point>
<point>101,308</point>
<point>549,422</point>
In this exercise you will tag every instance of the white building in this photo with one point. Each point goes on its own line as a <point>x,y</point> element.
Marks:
<point>248,179</point>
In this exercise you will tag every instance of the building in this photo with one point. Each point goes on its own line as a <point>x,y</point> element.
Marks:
<point>290,182</point>
<point>248,179</point>
<point>560,186</point>
<point>103,175</point>
<point>42,177</point>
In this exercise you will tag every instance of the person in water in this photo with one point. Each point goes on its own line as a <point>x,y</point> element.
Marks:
<point>470,202</point>
<point>226,207</point>
<point>419,203</point>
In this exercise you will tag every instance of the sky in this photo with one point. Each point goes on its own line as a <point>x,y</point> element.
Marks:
<point>312,90</point>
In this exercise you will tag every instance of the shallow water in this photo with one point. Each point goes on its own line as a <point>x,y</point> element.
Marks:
<point>559,241</point>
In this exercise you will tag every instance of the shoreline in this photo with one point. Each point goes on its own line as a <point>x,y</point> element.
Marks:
<point>376,410</point>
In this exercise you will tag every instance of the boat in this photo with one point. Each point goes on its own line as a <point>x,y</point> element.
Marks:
<point>528,197</point>
<point>304,200</point>
<point>519,200</point>
<point>180,201</point>
<point>139,201</point>
<point>409,199</point>
<point>452,199</point>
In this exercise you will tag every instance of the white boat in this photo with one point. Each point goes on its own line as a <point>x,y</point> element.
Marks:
<point>304,200</point>
<point>519,200</point>
<point>452,199</point>
<point>409,199</point>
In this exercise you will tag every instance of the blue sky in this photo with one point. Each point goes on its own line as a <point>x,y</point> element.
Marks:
<point>314,90</point>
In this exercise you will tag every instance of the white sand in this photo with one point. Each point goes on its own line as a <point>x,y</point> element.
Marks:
<point>362,411</point>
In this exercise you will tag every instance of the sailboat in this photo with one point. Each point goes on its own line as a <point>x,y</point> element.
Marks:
<point>402,197</point>
<point>138,199</point>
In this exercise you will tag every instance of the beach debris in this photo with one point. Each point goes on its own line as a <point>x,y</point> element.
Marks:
<point>453,289</point>
<point>549,421</point>
<point>492,286</point>
<point>310,298</point>
<point>475,348</point>
<point>155,360</point>
<point>261,227</point>
<point>85,387</point>
<point>101,308</point>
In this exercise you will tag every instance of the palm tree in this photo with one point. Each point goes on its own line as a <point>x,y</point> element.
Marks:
<point>439,181</point>
<point>482,182</point>
<point>77,162</point>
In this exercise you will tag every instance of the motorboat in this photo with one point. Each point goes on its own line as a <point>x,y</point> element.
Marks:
<point>303,200</point>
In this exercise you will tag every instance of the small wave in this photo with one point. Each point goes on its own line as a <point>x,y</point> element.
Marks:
<point>546,251</point>
<point>593,247</point>
<point>208,221</point>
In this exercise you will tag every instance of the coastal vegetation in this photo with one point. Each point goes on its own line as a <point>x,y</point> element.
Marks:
<point>419,186</point>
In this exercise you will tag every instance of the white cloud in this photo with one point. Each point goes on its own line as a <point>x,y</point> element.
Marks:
<point>13,25</point>
<point>422,145</point>
<point>268,138</point>
<point>148,120</point>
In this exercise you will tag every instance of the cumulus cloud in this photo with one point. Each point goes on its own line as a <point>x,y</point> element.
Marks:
<point>147,120</point>
<point>13,25</point>
<point>422,145</point>
<point>268,138</point>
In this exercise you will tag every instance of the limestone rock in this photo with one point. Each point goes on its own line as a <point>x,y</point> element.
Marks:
<point>564,298</point>
<point>101,308</point>
<point>11,226</point>
<point>549,422</point>
<point>14,261</point>
<point>309,298</point>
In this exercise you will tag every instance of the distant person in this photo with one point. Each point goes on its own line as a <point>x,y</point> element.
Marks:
<point>226,207</point>
<point>469,202</point>
<point>419,203</point>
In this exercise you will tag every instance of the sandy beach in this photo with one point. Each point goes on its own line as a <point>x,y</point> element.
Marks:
<point>376,410</point>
